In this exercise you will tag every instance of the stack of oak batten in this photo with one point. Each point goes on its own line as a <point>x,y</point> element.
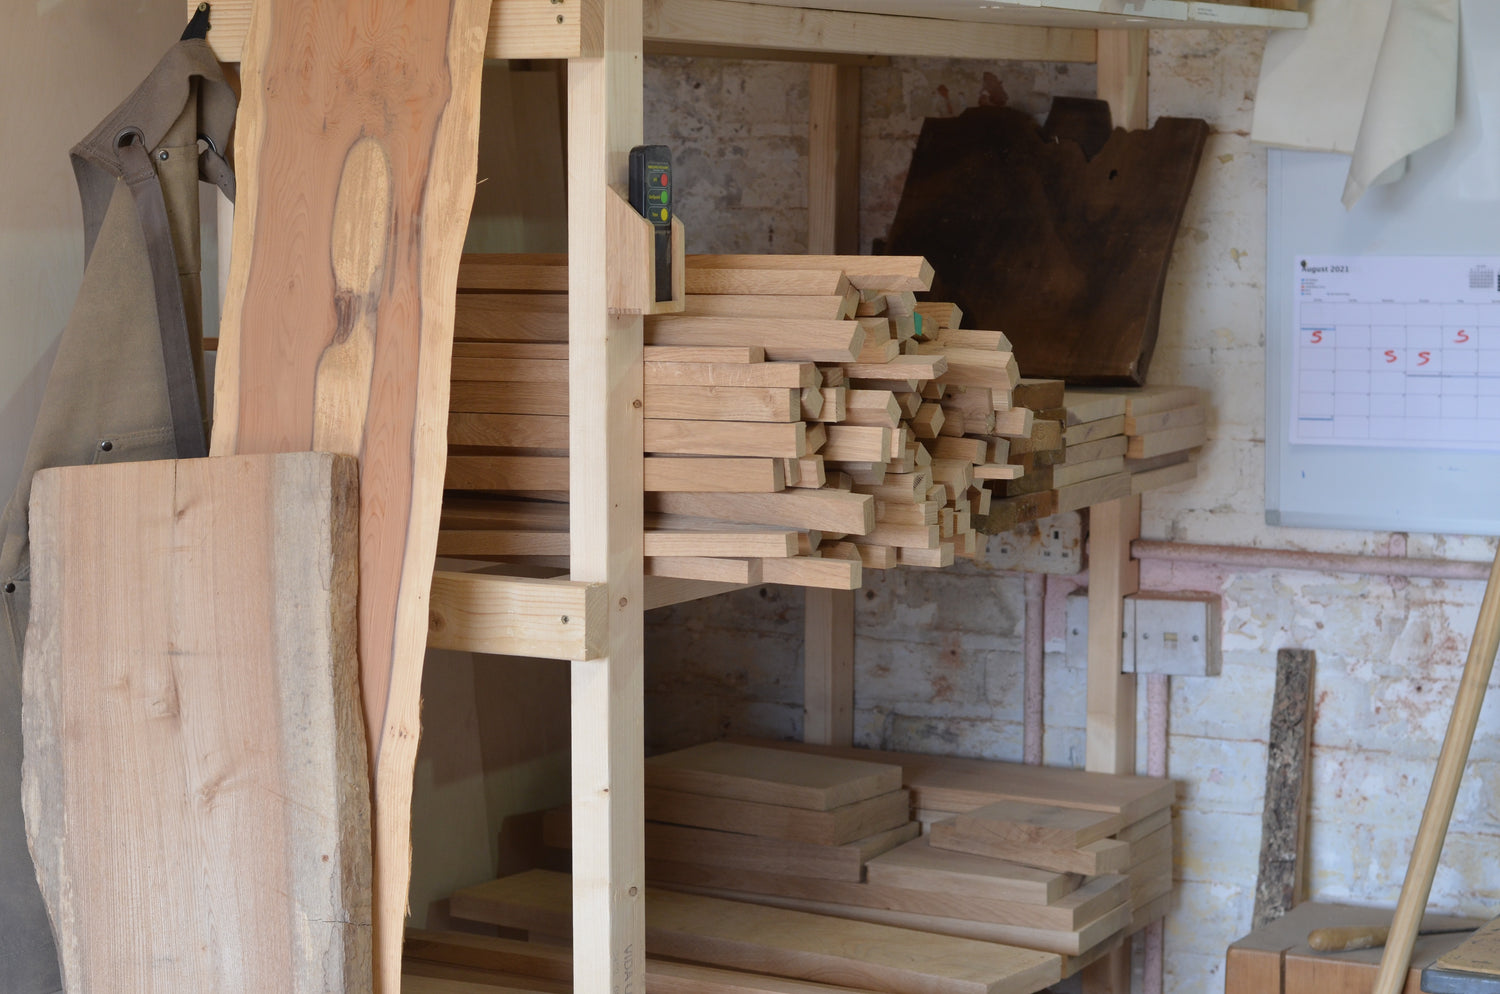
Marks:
<point>805,419</point>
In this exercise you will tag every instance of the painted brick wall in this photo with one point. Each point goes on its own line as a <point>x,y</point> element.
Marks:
<point>938,653</point>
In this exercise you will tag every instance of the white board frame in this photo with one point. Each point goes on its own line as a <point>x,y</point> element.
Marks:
<point>1449,204</point>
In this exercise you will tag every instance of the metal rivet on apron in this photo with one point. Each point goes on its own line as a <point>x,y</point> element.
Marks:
<point>106,445</point>
<point>163,155</point>
<point>10,587</point>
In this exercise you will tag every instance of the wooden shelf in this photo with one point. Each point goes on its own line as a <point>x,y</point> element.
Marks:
<point>1051,30</point>
<point>1097,14</point>
<point>517,616</point>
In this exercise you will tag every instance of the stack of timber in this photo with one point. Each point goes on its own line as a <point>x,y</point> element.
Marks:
<point>739,936</point>
<point>1027,881</point>
<point>805,419</point>
<point>1098,445</point>
<point>1084,860</point>
<point>749,808</point>
<point>464,963</point>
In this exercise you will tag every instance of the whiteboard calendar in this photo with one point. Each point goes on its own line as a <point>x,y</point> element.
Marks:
<point>1396,350</point>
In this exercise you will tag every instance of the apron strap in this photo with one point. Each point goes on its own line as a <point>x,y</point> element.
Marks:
<point>171,313</point>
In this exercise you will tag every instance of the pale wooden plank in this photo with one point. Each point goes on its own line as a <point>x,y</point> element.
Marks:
<point>829,307</point>
<point>1044,825</point>
<point>744,438</point>
<point>328,182</point>
<point>1098,897</point>
<point>681,843</point>
<point>808,571</point>
<point>723,403</point>
<point>518,29</point>
<point>813,282</point>
<point>823,30</point>
<point>802,339</point>
<point>1066,943</point>
<point>833,827</point>
<point>1164,476</point>
<point>1101,491</point>
<point>237,624</point>
<point>606,427</point>
<point>919,865</point>
<point>1177,417</point>
<point>821,509</point>
<point>751,937</point>
<point>1113,574</point>
<point>879,272</point>
<point>964,19</point>
<point>705,568</point>
<point>828,667</point>
<point>958,784</point>
<point>689,353</point>
<point>517,616</point>
<point>833,159</point>
<point>1158,443</point>
<point>555,963</point>
<point>517,430</point>
<point>792,375</point>
<point>771,776</point>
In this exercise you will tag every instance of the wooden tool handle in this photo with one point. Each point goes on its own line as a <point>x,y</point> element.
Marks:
<point>1340,940</point>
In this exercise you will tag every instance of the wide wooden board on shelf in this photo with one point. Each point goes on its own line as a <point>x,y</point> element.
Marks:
<point>181,610</point>
<point>957,784</point>
<point>355,149</point>
<point>787,943</point>
<point>771,776</point>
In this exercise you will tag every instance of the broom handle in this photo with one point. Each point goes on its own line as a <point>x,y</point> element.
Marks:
<point>1450,767</point>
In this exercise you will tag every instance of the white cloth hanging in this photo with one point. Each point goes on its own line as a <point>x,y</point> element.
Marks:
<point>1374,79</point>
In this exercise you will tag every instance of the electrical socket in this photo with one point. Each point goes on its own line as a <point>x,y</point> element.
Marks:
<point>1048,545</point>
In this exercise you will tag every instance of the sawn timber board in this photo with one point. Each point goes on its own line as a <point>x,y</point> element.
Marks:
<point>356,149</point>
<point>179,611</point>
<point>769,940</point>
<point>771,776</point>
<point>957,784</point>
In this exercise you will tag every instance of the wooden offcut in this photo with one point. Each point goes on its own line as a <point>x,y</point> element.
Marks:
<point>337,333</point>
<point>750,937</point>
<point>179,611</point>
<point>771,776</point>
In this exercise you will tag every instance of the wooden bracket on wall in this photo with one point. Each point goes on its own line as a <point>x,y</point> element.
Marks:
<point>632,268</point>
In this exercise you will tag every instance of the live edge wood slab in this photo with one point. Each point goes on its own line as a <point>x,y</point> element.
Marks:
<point>181,610</point>
<point>356,149</point>
<point>1009,215</point>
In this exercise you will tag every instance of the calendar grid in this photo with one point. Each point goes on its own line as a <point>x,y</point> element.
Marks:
<point>1394,372</point>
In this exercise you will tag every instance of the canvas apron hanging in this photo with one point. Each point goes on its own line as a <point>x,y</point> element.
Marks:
<point>127,382</point>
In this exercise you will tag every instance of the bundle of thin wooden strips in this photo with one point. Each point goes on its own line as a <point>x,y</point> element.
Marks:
<point>806,394</point>
<point>1098,445</point>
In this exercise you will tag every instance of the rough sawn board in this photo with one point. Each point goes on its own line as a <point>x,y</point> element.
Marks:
<point>356,148</point>
<point>195,789</point>
<point>1030,234</point>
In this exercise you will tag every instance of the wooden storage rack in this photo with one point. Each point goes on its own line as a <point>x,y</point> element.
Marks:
<point>594,617</point>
